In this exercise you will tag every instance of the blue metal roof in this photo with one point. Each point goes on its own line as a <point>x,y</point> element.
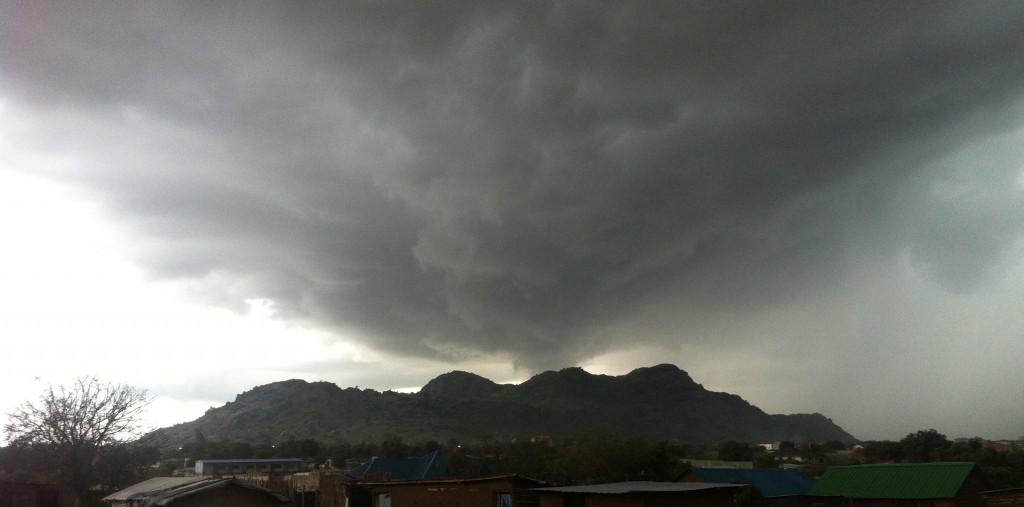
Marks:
<point>430,466</point>
<point>769,481</point>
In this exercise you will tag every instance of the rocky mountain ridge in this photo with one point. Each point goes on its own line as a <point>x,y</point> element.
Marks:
<point>660,402</point>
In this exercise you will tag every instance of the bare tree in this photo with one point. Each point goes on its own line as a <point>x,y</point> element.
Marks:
<point>75,425</point>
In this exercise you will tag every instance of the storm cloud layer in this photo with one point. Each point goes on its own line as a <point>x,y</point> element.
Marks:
<point>551,181</point>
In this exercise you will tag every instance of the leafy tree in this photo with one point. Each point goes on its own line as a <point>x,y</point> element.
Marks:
<point>394,447</point>
<point>606,456</point>
<point>884,451</point>
<point>736,451</point>
<point>530,459</point>
<point>749,496</point>
<point>79,428</point>
<point>923,445</point>
<point>835,445</point>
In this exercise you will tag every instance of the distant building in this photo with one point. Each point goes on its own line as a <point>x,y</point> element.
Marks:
<point>720,463</point>
<point>222,467</point>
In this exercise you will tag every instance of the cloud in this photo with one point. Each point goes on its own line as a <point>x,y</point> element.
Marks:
<point>521,179</point>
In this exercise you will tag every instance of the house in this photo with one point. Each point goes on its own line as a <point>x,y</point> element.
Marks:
<point>277,466</point>
<point>1013,497</point>
<point>719,463</point>
<point>640,494</point>
<point>196,492</point>
<point>944,484</point>
<point>771,482</point>
<point>501,491</point>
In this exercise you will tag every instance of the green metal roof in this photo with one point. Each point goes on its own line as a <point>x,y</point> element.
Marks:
<point>898,481</point>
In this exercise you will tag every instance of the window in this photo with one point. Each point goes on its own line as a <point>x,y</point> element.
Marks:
<point>504,499</point>
<point>384,500</point>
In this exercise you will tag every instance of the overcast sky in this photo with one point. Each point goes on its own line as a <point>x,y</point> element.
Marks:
<point>818,206</point>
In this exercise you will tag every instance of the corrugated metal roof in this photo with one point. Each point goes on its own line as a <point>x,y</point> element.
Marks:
<point>253,460</point>
<point>429,466</point>
<point>619,488</point>
<point>898,481</point>
<point>151,485</point>
<point>769,481</point>
<point>164,490</point>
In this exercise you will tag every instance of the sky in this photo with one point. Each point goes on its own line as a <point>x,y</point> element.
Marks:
<point>818,206</point>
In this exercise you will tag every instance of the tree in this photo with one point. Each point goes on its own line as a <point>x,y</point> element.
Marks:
<point>835,445</point>
<point>76,427</point>
<point>923,445</point>
<point>736,451</point>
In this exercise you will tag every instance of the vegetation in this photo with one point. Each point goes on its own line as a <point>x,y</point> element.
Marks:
<point>1003,467</point>
<point>85,436</point>
<point>660,402</point>
<point>590,457</point>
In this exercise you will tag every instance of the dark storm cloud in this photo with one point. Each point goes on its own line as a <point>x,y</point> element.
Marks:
<point>515,178</point>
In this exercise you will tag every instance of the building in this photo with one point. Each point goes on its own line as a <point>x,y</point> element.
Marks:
<point>22,494</point>
<point>429,466</point>
<point>500,491</point>
<point>944,484</point>
<point>770,482</point>
<point>196,492</point>
<point>640,494</point>
<point>720,463</point>
<point>1013,497</point>
<point>225,467</point>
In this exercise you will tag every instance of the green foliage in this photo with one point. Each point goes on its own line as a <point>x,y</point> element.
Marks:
<point>884,451</point>
<point>597,456</point>
<point>1003,467</point>
<point>394,448</point>
<point>736,451</point>
<point>749,496</point>
<point>531,459</point>
<point>834,445</point>
<point>923,445</point>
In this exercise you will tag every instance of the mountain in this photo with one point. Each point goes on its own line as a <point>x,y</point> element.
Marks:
<point>660,402</point>
<point>460,384</point>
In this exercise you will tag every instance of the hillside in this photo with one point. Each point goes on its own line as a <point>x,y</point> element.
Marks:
<point>660,402</point>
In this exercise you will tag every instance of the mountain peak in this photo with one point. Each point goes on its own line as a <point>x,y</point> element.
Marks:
<point>459,384</point>
<point>660,402</point>
<point>664,375</point>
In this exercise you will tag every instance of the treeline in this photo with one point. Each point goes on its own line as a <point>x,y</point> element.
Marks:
<point>590,457</point>
<point>610,456</point>
<point>1003,467</point>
